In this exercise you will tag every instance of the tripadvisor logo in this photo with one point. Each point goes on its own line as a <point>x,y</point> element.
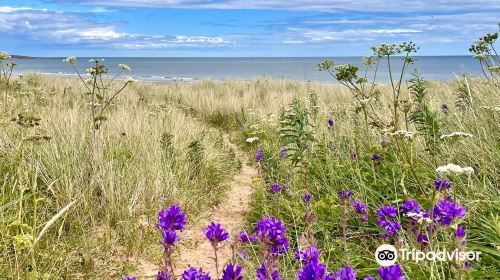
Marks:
<point>387,255</point>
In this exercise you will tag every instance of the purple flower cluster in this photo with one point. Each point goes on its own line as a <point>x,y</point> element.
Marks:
<point>163,276</point>
<point>195,274</point>
<point>259,155</point>
<point>232,272</point>
<point>310,254</point>
<point>314,271</point>
<point>172,218</point>
<point>346,273</point>
<point>264,273</point>
<point>354,155</point>
<point>345,194</point>
<point>331,122</point>
<point>283,152</point>
<point>360,208</point>
<point>387,220</point>
<point>129,278</point>
<point>446,212</point>
<point>307,197</point>
<point>246,238</point>
<point>376,157</point>
<point>393,272</point>
<point>215,233</point>
<point>410,206</point>
<point>442,184</point>
<point>275,187</point>
<point>271,233</point>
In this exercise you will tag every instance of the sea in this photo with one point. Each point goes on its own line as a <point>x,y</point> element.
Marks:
<point>304,69</point>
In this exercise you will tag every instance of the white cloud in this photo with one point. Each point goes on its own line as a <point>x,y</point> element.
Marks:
<point>308,5</point>
<point>73,28</point>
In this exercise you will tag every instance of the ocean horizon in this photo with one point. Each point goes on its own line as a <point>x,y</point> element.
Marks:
<point>188,69</point>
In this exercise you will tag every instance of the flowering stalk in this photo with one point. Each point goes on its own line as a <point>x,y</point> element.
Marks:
<point>345,196</point>
<point>215,233</point>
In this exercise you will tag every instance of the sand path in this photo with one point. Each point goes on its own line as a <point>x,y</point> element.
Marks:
<point>194,249</point>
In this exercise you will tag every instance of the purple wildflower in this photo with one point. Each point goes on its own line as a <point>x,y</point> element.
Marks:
<point>331,122</point>
<point>445,212</point>
<point>346,273</point>
<point>271,232</point>
<point>392,272</point>
<point>359,207</point>
<point>129,278</point>
<point>275,187</point>
<point>307,197</point>
<point>262,273</point>
<point>410,206</point>
<point>387,220</point>
<point>245,237</point>
<point>232,273</point>
<point>376,157</point>
<point>310,254</point>
<point>442,184</point>
<point>444,107</point>
<point>172,218</point>
<point>423,239</point>
<point>163,276</point>
<point>169,237</point>
<point>195,274</point>
<point>466,265</point>
<point>283,152</point>
<point>215,233</point>
<point>354,155</point>
<point>369,277</point>
<point>259,155</point>
<point>364,218</point>
<point>460,232</point>
<point>312,271</point>
<point>345,194</point>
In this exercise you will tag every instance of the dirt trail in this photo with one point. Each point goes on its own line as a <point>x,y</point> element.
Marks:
<point>194,249</point>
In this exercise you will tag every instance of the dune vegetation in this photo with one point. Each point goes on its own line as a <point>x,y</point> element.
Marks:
<point>104,178</point>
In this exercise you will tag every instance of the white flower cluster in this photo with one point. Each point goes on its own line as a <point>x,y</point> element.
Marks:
<point>402,133</point>
<point>129,80</point>
<point>453,168</point>
<point>492,108</point>
<point>455,135</point>
<point>70,60</point>
<point>124,67</point>
<point>4,56</point>
<point>252,139</point>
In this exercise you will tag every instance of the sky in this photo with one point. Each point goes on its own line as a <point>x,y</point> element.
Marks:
<point>240,28</point>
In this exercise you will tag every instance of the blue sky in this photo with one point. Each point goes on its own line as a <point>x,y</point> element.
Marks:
<point>240,27</point>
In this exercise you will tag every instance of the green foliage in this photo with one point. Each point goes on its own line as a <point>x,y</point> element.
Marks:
<point>296,130</point>
<point>425,119</point>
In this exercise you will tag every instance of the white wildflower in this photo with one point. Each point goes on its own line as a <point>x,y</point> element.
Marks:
<point>124,67</point>
<point>4,56</point>
<point>70,60</point>
<point>129,80</point>
<point>254,126</point>
<point>492,108</point>
<point>453,168</point>
<point>402,133</point>
<point>252,139</point>
<point>456,135</point>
